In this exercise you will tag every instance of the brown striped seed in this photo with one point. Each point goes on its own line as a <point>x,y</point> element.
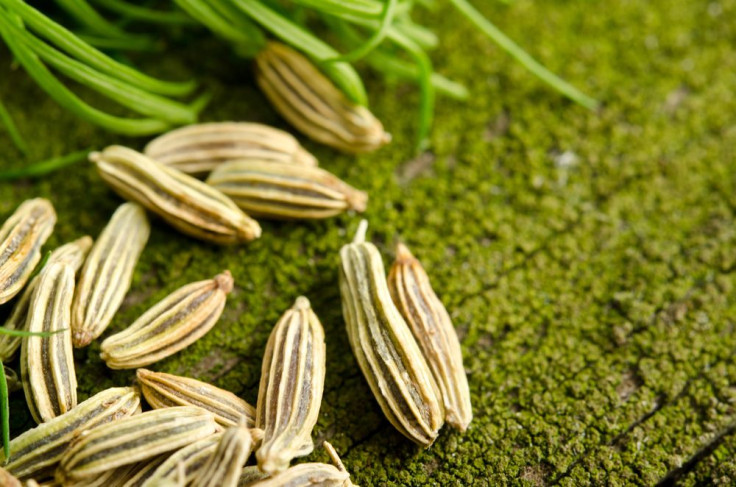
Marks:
<point>37,451</point>
<point>200,148</point>
<point>131,440</point>
<point>133,475</point>
<point>187,204</point>
<point>313,104</point>
<point>290,392</point>
<point>107,273</point>
<point>8,480</point>
<point>72,253</point>
<point>311,474</point>
<point>166,390</point>
<point>384,347</point>
<point>185,462</point>
<point>223,467</point>
<point>47,363</point>
<point>285,191</point>
<point>171,325</point>
<point>250,475</point>
<point>21,238</point>
<point>429,321</point>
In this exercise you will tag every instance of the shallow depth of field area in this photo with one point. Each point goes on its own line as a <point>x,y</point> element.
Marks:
<point>588,259</point>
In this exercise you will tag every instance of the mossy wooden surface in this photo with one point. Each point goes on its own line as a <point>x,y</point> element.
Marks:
<point>588,259</point>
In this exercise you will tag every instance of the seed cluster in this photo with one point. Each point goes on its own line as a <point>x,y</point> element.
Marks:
<point>196,434</point>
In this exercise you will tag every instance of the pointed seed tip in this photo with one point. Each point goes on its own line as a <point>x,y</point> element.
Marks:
<point>403,253</point>
<point>302,303</point>
<point>225,281</point>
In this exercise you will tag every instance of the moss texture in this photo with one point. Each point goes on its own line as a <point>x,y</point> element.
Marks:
<point>587,259</point>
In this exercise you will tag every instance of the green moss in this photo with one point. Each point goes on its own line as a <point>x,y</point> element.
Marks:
<point>587,259</point>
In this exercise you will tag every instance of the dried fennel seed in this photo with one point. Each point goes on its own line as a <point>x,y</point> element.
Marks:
<point>21,238</point>
<point>285,191</point>
<point>224,466</point>
<point>187,204</point>
<point>313,104</point>
<point>134,439</point>
<point>172,324</point>
<point>250,475</point>
<point>36,452</point>
<point>290,392</point>
<point>47,363</point>
<point>107,272</point>
<point>8,480</point>
<point>311,474</point>
<point>384,346</point>
<point>166,390</point>
<point>133,475</point>
<point>72,253</point>
<point>200,148</point>
<point>185,462</point>
<point>428,319</point>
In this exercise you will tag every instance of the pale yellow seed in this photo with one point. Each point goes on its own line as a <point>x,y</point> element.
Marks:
<point>72,253</point>
<point>224,466</point>
<point>292,382</point>
<point>133,475</point>
<point>384,346</point>
<point>166,390</point>
<point>311,474</point>
<point>108,272</point>
<point>285,191</point>
<point>37,451</point>
<point>21,238</point>
<point>431,325</point>
<point>134,439</point>
<point>187,204</point>
<point>169,326</point>
<point>47,363</point>
<point>185,463</point>
<point>313,104</point>
<point>200,148</point>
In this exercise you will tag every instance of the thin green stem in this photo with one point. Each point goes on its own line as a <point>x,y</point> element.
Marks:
<point>523,57</point>
<point>343,74</point>
<point>425,38</point>
<point>370,8</point>
<point>129,96</point>
<point>137,43</point>
<point>48,82</point>
<point>90,18</point>
<point>391,65</point>
<point>67,41</point>
<point>226,21</point>
<point>5,413</point>
<point>170,17</point>
<point>40,266</point>
<point>12,129</point>
<point>45,167</point>
<point>375,40</point>
<point>426,90</point>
